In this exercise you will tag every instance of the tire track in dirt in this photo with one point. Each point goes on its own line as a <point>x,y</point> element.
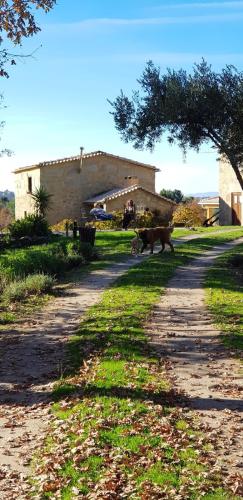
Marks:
<point>32,355</point>
<point>181,330</point>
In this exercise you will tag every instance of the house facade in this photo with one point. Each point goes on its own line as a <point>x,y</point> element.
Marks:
<point>230,196</point>
<point>210,206</point>
<point>78,182</point>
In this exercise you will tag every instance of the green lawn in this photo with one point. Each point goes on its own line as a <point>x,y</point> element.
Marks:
<point>224,285</point>
<point>112,246</point>
<point>122,428</point>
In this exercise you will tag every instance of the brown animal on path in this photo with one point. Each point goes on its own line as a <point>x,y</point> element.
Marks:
<point>151,235</point>
<point>135,245</point>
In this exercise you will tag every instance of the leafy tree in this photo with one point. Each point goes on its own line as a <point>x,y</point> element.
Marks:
<point>175,195</point>
<point>42,201</point>
<point>17,22</point>
<point>191,108</point>
<point>189,214</point>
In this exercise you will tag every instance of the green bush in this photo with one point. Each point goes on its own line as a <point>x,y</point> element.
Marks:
<point>148,219</point>
<point>31,225</point>
<point>59,249</point>
<point>236,261</point>
<point>31,285</point>
<point>19,263</point>
<point>73,247</point>
<point>4,280</point>
<point>115,223</point>
<point>86,250</point>
<point>74,261</point>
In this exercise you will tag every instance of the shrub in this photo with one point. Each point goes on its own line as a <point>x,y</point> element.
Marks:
<point>4,280</point>
<point>34,284</point>
<point>189,214</point>
<point>61,226</point>
<point>115,223</point>
<point>59,249</point>
<point>236,261</point>
<point>148,219</point>
<point>74,247</point>
<point>87,251</point>
<point>31,225</point>
<point>74,261</point>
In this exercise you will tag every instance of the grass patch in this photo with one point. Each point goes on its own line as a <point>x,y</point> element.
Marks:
<point>124,416</point>
<point>224,287</point>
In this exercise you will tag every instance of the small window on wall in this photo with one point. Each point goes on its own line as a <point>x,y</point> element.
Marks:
<point>29,184</point>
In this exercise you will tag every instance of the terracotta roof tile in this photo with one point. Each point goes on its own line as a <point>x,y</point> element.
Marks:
<point>88,155</point>
<point>117,192</point>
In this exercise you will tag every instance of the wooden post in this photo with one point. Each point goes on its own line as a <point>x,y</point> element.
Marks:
<point>75,229</point>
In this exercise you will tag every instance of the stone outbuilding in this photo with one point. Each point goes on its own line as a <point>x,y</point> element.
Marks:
<point>230,196</point>
<point>78,182</point>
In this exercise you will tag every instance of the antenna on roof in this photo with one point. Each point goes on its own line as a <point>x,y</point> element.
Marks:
<point>81,157</point>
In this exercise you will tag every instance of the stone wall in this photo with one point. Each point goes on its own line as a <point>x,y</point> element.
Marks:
<point>228,184</point>
<point>24,204</point>
<point>142,200</point>
<point>63,182</point>
<point>70,185</point>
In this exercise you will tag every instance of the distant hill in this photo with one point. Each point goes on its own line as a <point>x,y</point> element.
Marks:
<point>7,194</point>
<point>209,194</point>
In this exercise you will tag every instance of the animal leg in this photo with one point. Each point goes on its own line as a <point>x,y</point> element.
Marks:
<point>151,248</point>
<point>171,246</point>
<point>144,246</point>
<point>163,247</point>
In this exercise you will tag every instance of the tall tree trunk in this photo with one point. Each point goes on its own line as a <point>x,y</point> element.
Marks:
<point>238,174</point>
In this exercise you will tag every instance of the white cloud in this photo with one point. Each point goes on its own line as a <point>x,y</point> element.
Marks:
<point>161,58</point>
<point>201,5</point>
<point>96,23</point>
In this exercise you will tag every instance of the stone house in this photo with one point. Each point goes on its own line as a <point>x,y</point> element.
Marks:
<point>230,196</point>
<point>78,182</point>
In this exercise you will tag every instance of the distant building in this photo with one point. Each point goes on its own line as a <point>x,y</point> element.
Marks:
<point>78,182</point>
<point>210,206</point>
<point>230,196</point>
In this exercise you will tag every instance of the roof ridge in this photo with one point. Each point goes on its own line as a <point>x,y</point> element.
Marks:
<point>87,155</point>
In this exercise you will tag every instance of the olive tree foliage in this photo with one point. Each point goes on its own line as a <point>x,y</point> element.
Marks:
<point>17,21</point>
<point>191,109</point>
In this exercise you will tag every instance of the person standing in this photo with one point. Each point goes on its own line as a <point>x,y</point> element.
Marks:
<point>129,214</point>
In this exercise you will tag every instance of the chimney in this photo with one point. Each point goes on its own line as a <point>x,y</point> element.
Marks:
<point>81,157</point>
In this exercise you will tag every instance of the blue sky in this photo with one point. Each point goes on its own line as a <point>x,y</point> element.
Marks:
<point>88,51</point>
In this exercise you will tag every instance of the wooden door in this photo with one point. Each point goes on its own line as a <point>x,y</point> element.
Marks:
<point>236,208</point>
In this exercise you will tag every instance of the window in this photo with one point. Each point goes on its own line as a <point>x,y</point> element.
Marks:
<point>29,184</point>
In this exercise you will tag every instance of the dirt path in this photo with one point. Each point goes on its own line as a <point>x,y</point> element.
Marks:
<point>31,359</point>
<point>182,331</point>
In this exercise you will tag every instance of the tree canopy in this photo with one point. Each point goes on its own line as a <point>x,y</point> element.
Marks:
<point>175,195</point>
<point>191,109</point>
<point>17,21</point>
